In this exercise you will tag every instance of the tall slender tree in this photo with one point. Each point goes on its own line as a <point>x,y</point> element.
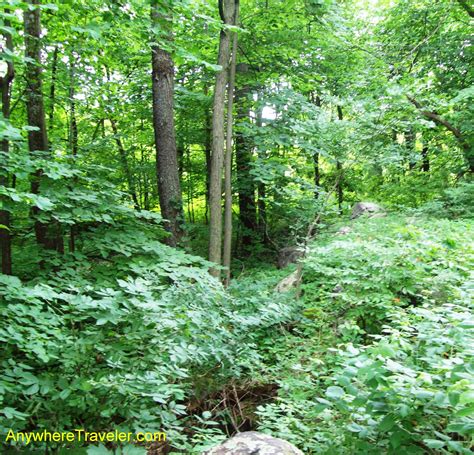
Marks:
<point>245,180</point>
<point>5,85</point>
<point>167,171</point>
<point>340,191</point>
<point>227,12</point>
<point>227,253</point>
<point>47,234</point>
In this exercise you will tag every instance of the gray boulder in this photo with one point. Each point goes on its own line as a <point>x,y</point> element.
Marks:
<point>366,208</point>
<point>289,255</point>
<point>289,282</point>
<point>254,443</point>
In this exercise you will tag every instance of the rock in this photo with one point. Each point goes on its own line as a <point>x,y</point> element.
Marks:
<point>254,443</point>
<point>290,281</point>
<point>344,230</point>
<point>289,255</point>
<point>337,289</point>
<point>366,208</point>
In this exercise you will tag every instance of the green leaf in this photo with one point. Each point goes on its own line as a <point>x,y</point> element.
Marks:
<point>434,443</point>
<point>335,392</point>
<point>387,423</point>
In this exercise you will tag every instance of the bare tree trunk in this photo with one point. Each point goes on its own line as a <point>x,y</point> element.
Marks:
<point>73,135</point>
<point>410,143</point>
<point>340,193</point>
<point>425,163</point>
<point>317,173</point>
<point>169,188</point>
<point>48,235</point>
<point>245,181</point>
<point>228,157</point>
<point>261,191</point>
<point>226,10</point>
<point>207,151</point>
<point>52,89</point>
<point>126,169</point>
<point>5,84</point>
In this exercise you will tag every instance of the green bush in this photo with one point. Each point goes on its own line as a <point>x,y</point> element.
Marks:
<point>382,364</point>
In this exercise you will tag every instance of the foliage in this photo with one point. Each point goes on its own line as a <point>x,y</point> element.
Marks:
<point>397,304</point>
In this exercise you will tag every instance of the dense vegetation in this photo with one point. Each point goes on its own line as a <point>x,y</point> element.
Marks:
<point>156,156</point>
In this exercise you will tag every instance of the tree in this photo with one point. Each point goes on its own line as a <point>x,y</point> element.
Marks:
<point>228,156</point>
<point>245,181</point>
<point>227,10</point>
<point>5,85</point>
<point>167,171</point>
<point>47,234</point>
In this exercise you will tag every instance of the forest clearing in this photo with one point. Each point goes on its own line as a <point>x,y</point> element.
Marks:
<point>236,227</point>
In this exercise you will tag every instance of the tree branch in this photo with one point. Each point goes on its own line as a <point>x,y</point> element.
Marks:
<point>437,119</point>
<point>469,10</point>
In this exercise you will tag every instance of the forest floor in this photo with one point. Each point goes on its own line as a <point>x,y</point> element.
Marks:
<point>377,360</point>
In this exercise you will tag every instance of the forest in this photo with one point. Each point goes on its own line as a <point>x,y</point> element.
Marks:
<point>236,227</point>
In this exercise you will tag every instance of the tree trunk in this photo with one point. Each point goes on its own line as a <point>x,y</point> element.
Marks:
<point>73,135</point>
<point>245,181</point>
<point>52,89</point>
<point>48,235</point>
<point>5,84</point>
<point>169,188</point>
<point>228,157</point>
<point>317,173</point>
<point>226,10</point>
<point>261,191</point>
<point>207,152</point>
<point>410,145</point>
<point>425,163</point>
<point>126,169</point>
<point>340,193</point>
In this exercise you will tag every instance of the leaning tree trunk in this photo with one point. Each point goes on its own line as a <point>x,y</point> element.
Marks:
<point>226,10</point>
<point>47,235</point>
<point>5,84</point>
<point>227,253</point>
<point>169,188</point>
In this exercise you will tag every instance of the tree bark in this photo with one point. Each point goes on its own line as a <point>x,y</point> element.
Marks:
<point>410,145</point>
<point>73,134</point>
<point>317,173</point>
<point>207,151</point>
<point>169,188</point>
<point>228,157</point>
<point>5,84</point>
<point>245,181</point>
<point>48,235</point>
<point>52,89</point>
<point>226,10</point>
<point>126,168</point>
<point>425,163</point>
<point>340,193</point>
<point>261,190</point>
